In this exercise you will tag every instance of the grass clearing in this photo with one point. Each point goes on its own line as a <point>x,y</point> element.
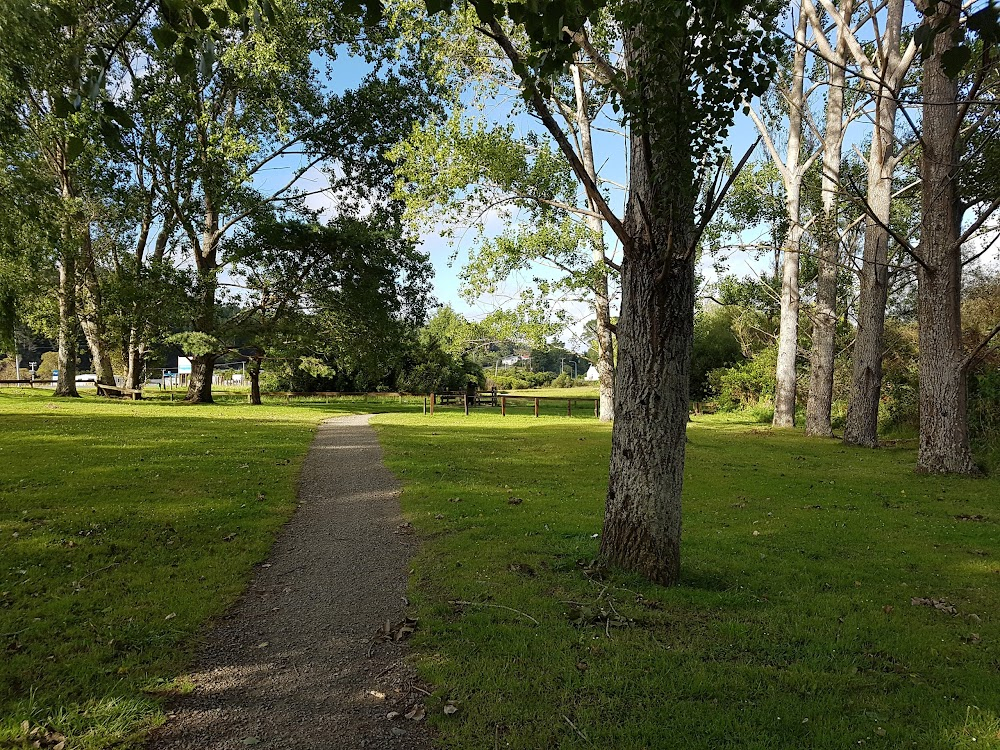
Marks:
<point>793,628</point>
<point>124,528</point>
<point>794,625</point>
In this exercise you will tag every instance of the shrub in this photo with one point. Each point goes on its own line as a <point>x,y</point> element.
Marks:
<point>746,384</point>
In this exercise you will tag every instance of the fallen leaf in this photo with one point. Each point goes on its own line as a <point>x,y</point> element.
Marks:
<point>397,732</point>
<point>450,708</point>
<point>515,501</point>
<point>582,666</point>
<point>938,604</point>
<point>264,644</point>
<point>392,715</point>
<point>171,616</point>
<point>251,741</point>
<point>417,713</point>
<point>887,609</point>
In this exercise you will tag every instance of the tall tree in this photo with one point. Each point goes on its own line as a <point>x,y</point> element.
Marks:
<point>883,73</point>
<point>468,167</point>
<point>823,351</point>
<point>793,168</point>
<point>681,94</point>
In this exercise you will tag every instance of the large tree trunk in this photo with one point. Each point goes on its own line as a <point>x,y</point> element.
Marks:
<point>602,306</point>
<point>824,338</point>
<point>869,341</point>
<point>200,382</point>
<point>133,361</point>
<point>66,383</point>
<point>92,317</point>
<point>944,428</point>
<point>788,327</point>
<point>203,365</point>
<point>788,333</point>
<point>253,370</point>
<point>605,358</point>
<point>642,523</point>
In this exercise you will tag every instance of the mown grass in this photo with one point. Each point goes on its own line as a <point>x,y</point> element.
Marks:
<point>793,627</point>
<point>124,529</point>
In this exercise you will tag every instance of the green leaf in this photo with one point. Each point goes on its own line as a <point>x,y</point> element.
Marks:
<point>74,147</point>
<point>200,17</point>
<point>237,6</point>
<point>164,36</point>
<point>62,107</point>
<point>955,59</point>
<point>119,115</point>
<point>221,18</point>
<point>185,64</point>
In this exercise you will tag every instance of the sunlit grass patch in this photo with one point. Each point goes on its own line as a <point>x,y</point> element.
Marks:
<point>125,527</point>
<point>793,626</point>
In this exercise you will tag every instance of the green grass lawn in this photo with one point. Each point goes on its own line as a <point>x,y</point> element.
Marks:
<point>124,528</point>
<point>793,628</point>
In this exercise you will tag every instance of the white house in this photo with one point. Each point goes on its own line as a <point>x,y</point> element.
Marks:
<point>592,374</point>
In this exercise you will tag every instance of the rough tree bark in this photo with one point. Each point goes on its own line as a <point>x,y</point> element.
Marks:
<point>642,522</point>
<point>206,257</point>
<point>68,318</point>
<point>944,426</point>
<point>822,354</point>
<point>253,370</point>
<point>869,342</point>
<point>91,314</point>
<point>602,304</point>
<point>68,352</point>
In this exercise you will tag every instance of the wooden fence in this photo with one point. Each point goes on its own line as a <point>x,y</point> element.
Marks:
<point>503,399</point>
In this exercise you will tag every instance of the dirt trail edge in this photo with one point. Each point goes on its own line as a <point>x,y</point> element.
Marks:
<point>296,662</point>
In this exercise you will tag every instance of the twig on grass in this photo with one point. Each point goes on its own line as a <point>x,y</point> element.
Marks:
<point>76,584</point>
<point>457,602</point>
<point>575,729</point>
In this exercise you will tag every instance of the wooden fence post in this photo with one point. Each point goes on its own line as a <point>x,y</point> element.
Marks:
<point>597,408</point>
<point>466,404</point>
<point>425,406</point>
<point>503,406</point>
<point>569,407</point>
<point>536,407</point>
<point>433,399</point>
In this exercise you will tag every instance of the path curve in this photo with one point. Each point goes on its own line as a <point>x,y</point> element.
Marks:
<point>289,665</point>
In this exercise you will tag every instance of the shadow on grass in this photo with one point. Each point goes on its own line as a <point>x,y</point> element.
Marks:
<point>793,626</point>
<point>126,527</point>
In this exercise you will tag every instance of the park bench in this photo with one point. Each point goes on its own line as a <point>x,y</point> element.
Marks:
<point>113,391</point>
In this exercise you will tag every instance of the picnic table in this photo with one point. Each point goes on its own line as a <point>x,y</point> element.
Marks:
<point>113,391</point>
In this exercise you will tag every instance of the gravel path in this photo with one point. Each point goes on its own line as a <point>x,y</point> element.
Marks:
<point>297,662</point>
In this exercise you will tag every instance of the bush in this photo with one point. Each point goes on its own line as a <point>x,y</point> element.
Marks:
<point>48,363</point>
<point>715,347</point>
<point>747,384</point>
<point>563,381</point>
<point>518,380</point>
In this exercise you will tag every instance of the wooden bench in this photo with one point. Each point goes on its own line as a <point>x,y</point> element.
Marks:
<point>113,391</point>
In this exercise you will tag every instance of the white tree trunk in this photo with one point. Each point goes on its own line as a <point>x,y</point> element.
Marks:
<point>792,172</point>
<point>823,354</point>
<point>602,303</point>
